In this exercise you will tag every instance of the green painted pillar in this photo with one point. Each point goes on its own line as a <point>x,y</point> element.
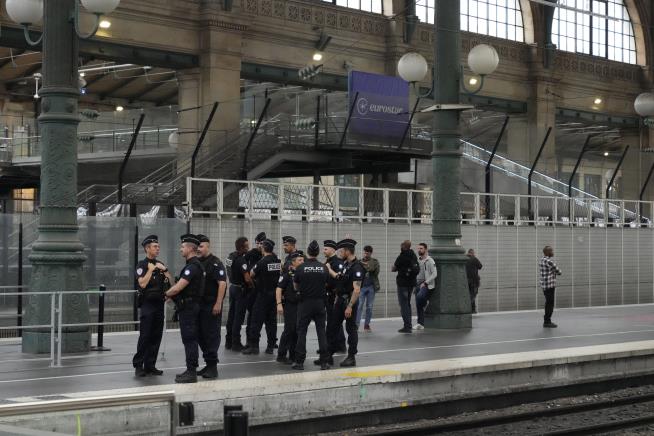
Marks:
<point>57,255</point>
<point>449,307</point>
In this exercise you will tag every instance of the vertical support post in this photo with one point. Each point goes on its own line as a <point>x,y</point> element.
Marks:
<point>449,306</point>
<point>19,307</point>
<point>196,151</point>
<point>100,347</point>
<point>642,190</point>
<point>533,167</point>
<point>488,169</point>
<point>316,140</point>
<point>135,259</point>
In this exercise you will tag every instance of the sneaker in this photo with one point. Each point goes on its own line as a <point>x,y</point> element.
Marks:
<point>366,328</point>
<point>419,327</point>
<point>298,366</point>
<point>283,359</point>
<point>139,372</point>
<point>549,325</point>
<point>153,371</point>
<point>349,362</point>
<point>188,376</point>
<point>251,350</point>
<point>405,330</point>
<point>211,372</point>
<point>270,350</point>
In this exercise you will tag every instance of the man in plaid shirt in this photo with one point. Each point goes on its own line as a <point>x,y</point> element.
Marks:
<point>548,273</point>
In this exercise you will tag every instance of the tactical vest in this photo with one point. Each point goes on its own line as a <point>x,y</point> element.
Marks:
<point>196,287</point>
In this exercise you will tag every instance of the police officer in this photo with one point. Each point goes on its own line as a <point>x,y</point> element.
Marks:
<point>310,280</point>
<point>187,295</point>
<point>238,291</point>
<point>153,278</point>
<point>345,306</point>
<point>286,300</point>
<point>336,342</point>
<point>253,256</point>
<point>266,276</point>
<point>211,308</point>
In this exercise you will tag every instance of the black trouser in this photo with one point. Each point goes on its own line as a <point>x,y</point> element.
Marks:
<point>209,335</point>
<point>473,288</point>
<point>151,330</point>
<point>549,303</point>
<point>244,301</point>
<point>288,340</point>
<point>234,292</point>
<point>189,327</point>
<point>335,334</point>
<point>263,312</point>
<point>350,325</point>
<point>307,311</point>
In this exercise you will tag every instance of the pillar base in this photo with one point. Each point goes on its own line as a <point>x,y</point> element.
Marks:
<point>448,321</point>
<point>72,342</point>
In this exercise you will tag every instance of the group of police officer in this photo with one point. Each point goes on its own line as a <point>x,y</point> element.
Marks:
<point>302,289</point>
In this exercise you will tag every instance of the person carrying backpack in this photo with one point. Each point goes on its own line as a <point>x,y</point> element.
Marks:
<point>407,268</point>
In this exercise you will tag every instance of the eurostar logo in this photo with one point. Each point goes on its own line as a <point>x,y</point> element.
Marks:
<point>362,106</point>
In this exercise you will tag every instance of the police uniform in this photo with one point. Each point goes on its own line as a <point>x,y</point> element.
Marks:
<point>231,291</point>
<point>310,280</point>
<point>188,303</point>
<point>266,276</point>
<point>253,256</point>
<point>288,340</point>
<point>237,300</point>
<point>151,303</point>
<point>335,341</point>
<point>209,335</point>
<point>353,271</point>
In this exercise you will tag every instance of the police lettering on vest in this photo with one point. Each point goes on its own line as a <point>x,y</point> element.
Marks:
<point>267,272</point>
<point>311,278</point>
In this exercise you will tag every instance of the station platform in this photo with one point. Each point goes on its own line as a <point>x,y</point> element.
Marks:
<point>502,351</point>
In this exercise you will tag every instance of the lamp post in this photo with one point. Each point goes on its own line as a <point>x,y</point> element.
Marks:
<point>449,306</point>
<point>58,254</point>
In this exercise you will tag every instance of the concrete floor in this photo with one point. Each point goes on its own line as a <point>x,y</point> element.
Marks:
<point>24,375</point>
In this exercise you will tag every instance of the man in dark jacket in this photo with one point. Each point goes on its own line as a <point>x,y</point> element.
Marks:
<point>473,265</point>
<point>369,287</point>
<point>407,268</point>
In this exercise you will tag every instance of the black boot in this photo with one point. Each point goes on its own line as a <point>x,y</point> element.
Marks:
<point>251,349</point>
<point>348,362</point>
<point>298,366</point>
<point>324,366</point>
<point>139,372</point>
<point>210,372</point>
<point>203,370</point>
<point>188,376</point>
<point>153,371</point>
<point>237,347</point>
<point>329,361</point>
<point>270,349</point>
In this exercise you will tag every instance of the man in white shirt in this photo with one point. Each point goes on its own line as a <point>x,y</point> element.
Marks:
<point>425,283</point>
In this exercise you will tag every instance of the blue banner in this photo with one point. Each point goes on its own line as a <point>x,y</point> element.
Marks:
<point>382,105</point>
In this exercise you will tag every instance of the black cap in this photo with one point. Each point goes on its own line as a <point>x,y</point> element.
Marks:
<point>313,249</point>
<point>347,243</point>
<point>295,254</point>
<point>260,237</point>
<point>268,245</point>
<point>289,239</point>
<point>203,238</point>
<point>329,243</point>
<point>150,239</point>
<point>190,238</point>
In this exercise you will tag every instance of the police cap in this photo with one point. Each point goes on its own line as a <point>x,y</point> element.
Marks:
<point>268,245</point>
<point>347,243</point>
<point>313,249</point>
<point>289,239</point>
<point>296,254</point>
<point>329,243</point>
<point>203,238</point>
<point>150,239</point>
<point>190,238</point>
<point>260,237</point>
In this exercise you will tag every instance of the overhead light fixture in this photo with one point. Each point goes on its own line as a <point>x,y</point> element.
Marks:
<point>105,24</point>
<point>119,108</point>
<point>473,81</point>
<point>606,153</point>
<point>597,100</point>
<point>82,74</point>
<point>317,56</point>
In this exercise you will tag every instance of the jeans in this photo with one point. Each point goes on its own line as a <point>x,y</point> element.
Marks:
<point>404,299</point>
<point>549,303</point>
<point>367,295</point>
<point>422,299</point>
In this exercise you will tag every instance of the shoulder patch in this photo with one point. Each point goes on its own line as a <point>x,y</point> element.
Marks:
<point>221,272</point>
<point>340,266</point>
<point>280,279</point>
<point>245,267</point>
<point>358,274</point>
<point>187,272</point>
<point>139,271</point>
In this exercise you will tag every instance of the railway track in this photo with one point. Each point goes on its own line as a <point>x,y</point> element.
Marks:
<point>520,422</point>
